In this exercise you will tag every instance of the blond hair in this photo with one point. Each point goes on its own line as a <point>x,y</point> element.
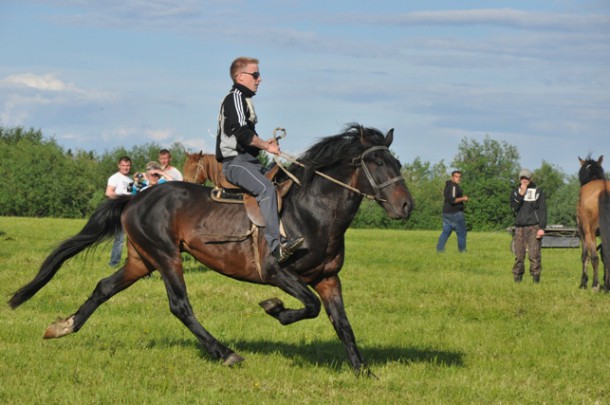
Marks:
<point>239,65</point>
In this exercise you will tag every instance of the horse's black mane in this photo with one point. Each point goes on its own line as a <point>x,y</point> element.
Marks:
<point>590,170</point>
<point>336,150</point>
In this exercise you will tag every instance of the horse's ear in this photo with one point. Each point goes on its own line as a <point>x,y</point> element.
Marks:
<point>600,160</point>
<point>582,162</point>
<point>389,137</point>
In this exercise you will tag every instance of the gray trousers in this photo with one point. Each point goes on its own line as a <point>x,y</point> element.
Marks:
<point>247,173</point>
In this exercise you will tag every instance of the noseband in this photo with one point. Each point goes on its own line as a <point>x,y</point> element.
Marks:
<point>359,161</point>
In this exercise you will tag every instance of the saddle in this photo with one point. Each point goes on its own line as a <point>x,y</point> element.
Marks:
<point>226,192</point>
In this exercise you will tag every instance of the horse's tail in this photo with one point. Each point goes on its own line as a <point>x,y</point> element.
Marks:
<point>103,224</point>
<point>604,225</point>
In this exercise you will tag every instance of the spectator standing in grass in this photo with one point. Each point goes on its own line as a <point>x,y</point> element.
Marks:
<point>453,213</point>
<point>529,206</point>
<point>119,184</point>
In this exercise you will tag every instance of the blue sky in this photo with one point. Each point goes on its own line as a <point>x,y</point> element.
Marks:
<point>96,75</point>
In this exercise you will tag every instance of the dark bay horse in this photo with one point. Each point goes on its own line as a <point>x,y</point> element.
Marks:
<point>593,218</point>
<point>220,236</point>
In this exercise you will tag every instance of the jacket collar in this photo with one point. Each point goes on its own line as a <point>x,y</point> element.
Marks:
<point>246,91</point>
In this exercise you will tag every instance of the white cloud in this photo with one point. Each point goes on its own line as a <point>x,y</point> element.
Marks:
<point>159,135</point>
<point>26,95</point>
<point>503,17</point>
<point>47,82</point>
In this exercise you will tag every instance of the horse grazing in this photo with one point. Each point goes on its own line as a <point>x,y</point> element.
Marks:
<point>199,167</point>
<point>593,218</point>
<point>221,237</point>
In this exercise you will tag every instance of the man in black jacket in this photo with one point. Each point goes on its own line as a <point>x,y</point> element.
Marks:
<point>237,148</point>
<point>453,213</point>
<point>528,203</point>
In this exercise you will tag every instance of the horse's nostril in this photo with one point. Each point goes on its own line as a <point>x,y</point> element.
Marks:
<point>406,209</point>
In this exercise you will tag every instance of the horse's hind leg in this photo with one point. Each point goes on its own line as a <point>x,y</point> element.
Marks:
<point>584,257</point>
<point>589,253</point>
<point>606,267</point>
<point>595,265</point>
<point>106,288</point>
<point>180,306</point>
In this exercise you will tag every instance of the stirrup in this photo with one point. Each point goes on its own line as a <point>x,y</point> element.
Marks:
<point>287,249</point>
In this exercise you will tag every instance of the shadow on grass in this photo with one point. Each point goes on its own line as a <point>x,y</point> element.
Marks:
<point>329,354</point>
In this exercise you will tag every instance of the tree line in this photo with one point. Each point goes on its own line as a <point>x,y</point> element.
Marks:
<point>39,178</point>
<point>489,173</point>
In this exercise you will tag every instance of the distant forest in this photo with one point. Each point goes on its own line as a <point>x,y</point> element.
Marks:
<point>39,178</point>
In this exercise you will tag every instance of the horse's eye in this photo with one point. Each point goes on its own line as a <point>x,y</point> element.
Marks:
<point>379,163</point>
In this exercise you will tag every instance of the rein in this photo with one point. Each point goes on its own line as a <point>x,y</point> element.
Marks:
<point>358,161</point>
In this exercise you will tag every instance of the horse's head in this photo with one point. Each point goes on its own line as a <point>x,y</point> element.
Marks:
<point>360,159</point>
<point>590,169</point>
<point>189,169</point>
<point>380,175</point>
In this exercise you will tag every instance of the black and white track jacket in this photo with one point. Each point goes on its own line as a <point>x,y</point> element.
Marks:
<point>236,124</point>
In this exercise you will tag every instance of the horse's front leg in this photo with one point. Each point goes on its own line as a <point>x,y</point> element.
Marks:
<point>288,282</point>
<point>181,308</point>
<point>329,290</point>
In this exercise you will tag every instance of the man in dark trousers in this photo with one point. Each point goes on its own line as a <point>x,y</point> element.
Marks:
<point>453,213</point>
<point>528,203</point>
<point>237,148</point>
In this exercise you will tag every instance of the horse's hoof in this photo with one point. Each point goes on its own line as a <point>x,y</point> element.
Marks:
<point>59,328</point>
<point>596,288</point>
<point>365,372</point>
<point>272,306</point>
<point>233,360</point>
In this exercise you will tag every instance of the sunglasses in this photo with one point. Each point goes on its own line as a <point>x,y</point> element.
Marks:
<point>255,75</point>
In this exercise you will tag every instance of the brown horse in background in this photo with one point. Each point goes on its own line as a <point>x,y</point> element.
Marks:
<point>593,218</point>
<point>200,167</point>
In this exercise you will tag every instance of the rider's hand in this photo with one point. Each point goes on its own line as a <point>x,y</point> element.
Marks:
<point>273,148</point>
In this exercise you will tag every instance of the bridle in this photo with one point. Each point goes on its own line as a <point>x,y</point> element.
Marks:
<point>376,187</point>
<point>357,162</point>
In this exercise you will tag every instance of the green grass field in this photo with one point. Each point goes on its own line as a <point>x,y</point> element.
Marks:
<point>435,329</point>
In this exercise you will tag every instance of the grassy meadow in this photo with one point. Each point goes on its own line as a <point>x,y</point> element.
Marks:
<point>435,328</point>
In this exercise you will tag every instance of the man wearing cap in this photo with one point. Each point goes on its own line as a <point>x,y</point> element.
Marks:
<point>528,203</point>
<point>155,175</point>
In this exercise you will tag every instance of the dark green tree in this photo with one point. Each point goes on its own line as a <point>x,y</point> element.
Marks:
<point>39,178</point>
<point>426,182</point>
<point>553,182</point>
<point>488,172</point>
<point>562,208</point>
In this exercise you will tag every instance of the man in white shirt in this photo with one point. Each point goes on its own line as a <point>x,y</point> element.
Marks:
<point>119,184</point>
<point>165,159</point>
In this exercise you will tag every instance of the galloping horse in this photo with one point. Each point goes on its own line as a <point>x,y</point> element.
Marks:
<point>220,236</point>
<point>199,167</point>
<point>593,218</point>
